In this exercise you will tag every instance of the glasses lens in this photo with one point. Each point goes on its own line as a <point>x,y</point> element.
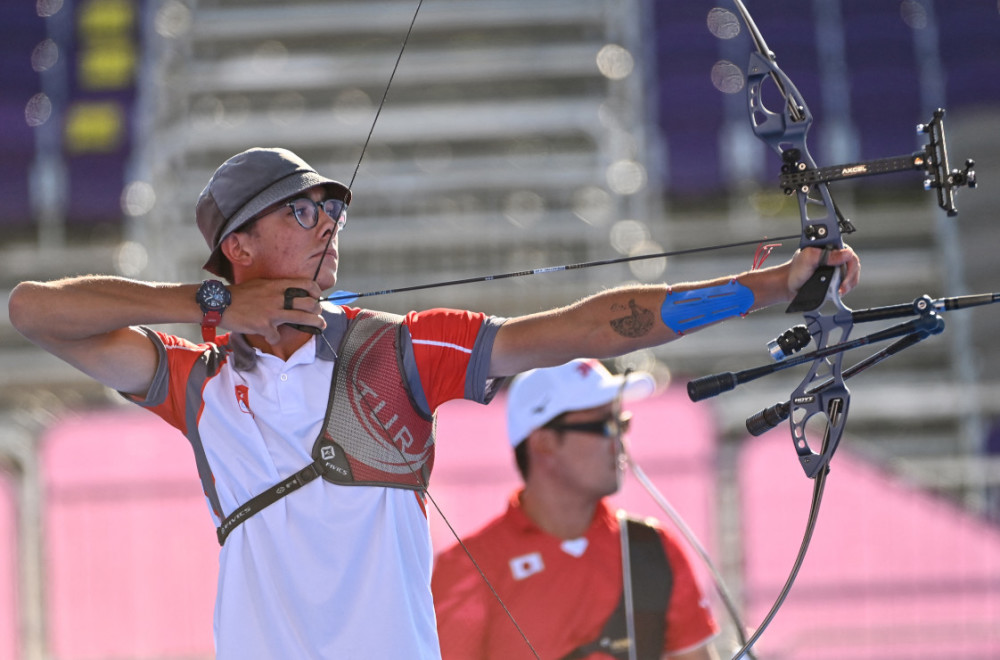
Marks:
<point>306,212</point>
<point>336,209</point>
<point>608,428</point>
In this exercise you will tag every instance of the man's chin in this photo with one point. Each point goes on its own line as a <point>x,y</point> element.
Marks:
<point>327,281</point>
<point>611,489</point>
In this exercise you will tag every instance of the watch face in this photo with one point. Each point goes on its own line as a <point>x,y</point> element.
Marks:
<point>213,295</point>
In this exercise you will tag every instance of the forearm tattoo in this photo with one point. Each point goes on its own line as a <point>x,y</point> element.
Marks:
<point>638,322</point>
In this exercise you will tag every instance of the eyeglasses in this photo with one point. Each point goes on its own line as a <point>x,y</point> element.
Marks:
<point>609,427</point>
<point>307,211</point>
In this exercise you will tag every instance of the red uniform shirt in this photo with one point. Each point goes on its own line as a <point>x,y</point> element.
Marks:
<point>561,593</point>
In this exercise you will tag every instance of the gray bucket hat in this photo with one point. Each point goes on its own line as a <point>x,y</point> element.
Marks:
<point>245,185</point>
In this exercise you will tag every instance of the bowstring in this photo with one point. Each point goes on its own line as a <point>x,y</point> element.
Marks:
<point>385,93</point>
<point>627,595</point>
<point>424,488</point>
<point>679,523</point>
<point>419,478</point>
<point>371,129</point>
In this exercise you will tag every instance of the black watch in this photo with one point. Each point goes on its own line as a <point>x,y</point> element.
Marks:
<point>213,297</point>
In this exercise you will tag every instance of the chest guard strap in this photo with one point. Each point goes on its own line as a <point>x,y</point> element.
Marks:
<point>652,585</point>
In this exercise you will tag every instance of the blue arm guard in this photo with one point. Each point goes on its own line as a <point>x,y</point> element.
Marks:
<point>686,310</point>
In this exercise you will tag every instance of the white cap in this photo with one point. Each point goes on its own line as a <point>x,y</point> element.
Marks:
<point>538,396</point>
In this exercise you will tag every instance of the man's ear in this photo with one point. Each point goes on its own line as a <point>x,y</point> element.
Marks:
<point>236,249</point>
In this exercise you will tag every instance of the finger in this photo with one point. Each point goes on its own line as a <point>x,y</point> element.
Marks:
<point>303,304</point>
<point>291,294</point>
<point>304,318</point>
<point>853,277</point>
<point>842,256</point>
<point>302,295</point>
<point>309,286</point>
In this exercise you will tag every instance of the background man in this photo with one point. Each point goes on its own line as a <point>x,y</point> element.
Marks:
<point>555,557</point>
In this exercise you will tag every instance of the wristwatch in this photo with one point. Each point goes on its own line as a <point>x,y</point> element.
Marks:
<point>214,298</point>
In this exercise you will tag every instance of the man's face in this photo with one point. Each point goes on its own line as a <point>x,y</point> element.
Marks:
<point>587,460</point>
<point>284,248</point>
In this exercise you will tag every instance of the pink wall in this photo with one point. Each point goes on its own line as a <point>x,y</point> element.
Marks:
<point>130,548</point>
<point>9,621</point>
<point>892,572</point>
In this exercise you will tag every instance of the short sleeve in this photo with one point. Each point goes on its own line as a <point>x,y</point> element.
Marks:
<point>451,351</point>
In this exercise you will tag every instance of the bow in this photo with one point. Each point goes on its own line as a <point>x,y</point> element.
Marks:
<point>822,393</point>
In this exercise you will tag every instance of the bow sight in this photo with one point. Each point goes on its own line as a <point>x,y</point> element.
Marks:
<point>796,175</point>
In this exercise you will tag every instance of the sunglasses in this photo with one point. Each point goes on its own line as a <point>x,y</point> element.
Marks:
<point>307,211</point>
<point>609,427</point>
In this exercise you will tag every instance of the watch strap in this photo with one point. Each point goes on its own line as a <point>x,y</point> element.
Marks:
<point>209,321</point>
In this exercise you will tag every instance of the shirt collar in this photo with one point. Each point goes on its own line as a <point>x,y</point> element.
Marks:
<point>603,515</point>
<point>245,355</point>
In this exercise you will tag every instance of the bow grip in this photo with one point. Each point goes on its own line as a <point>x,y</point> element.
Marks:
<point>291,293</point>
<point>812,294</point>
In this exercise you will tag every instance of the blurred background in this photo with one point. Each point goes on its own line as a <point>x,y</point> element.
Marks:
<point>516,135</point>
